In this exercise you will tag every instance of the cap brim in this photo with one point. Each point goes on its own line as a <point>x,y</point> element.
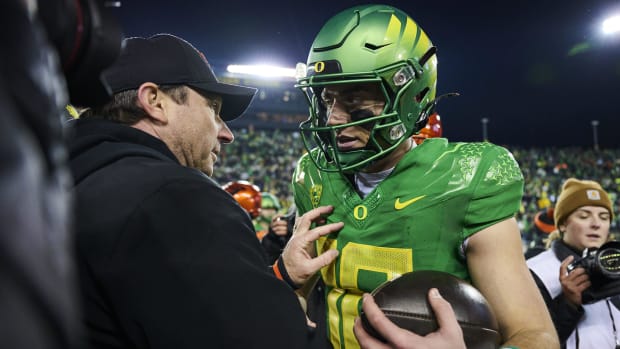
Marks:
<point>235,99</point>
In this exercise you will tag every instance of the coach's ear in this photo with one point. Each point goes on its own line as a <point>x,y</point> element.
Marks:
<point>154,102</point>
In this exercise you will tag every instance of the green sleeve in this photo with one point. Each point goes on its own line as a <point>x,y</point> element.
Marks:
<point>498,192</point>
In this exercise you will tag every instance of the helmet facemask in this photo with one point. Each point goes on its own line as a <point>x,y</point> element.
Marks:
<point>403,114</point>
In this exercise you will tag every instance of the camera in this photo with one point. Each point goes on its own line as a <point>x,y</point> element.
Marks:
<point>88,38</point>
<point>603,267</point>
<point>290,223</point>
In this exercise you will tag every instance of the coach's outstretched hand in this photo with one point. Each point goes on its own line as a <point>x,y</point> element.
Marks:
<point>448,336</point>
<point>299,254</point>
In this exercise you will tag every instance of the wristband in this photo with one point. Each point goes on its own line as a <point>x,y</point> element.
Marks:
<point>280,271</point>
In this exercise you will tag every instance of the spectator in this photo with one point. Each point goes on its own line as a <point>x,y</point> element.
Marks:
<point>582,216</point>
<point>543,226</point>
<point>269,208</point>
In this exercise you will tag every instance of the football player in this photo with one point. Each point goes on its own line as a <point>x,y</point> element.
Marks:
<point>370,82</point>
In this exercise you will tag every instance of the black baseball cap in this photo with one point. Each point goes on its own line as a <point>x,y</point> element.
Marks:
<point>166,59</point>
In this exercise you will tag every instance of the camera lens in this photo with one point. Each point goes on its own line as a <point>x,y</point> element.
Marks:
<point>609,261</point>
<point>88,39</point>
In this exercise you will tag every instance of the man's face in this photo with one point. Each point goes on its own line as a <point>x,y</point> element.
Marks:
<point>198,131</point>
<point>587,227</point>
<point>348,103</point>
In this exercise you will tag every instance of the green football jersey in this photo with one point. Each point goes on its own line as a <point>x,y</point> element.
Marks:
<point>417,218</point>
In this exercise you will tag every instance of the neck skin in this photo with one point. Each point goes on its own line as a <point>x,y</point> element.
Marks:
<point>391,159</point>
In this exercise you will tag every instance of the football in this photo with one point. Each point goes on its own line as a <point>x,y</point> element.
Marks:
<point>404,300</point>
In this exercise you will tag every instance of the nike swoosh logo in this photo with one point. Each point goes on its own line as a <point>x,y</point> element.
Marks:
<point>400,205</point>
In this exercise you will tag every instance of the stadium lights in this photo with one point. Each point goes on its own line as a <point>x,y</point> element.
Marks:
<point>262,70</point>
<point>611,25</point>
<point>607,31</point>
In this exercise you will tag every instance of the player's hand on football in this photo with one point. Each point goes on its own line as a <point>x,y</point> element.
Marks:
<point>574,282</point>
<point>448,336</point>
<point>299,255</point>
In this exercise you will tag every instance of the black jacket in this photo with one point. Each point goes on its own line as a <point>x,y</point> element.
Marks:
<point>167,259</point>
<point>566,317</point>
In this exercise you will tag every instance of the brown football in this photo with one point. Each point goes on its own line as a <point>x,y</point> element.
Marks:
<point>405,301</point>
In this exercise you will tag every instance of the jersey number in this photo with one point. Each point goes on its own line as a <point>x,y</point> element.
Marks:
<point>345,294</point>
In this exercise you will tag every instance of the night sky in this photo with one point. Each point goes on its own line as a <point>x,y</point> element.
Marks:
<point>538,70</point>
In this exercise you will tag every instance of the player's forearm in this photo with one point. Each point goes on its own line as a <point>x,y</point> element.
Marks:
<point>533,339</point>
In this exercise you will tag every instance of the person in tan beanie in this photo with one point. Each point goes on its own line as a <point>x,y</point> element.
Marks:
<point>575,194</point>
<point>582,215</point>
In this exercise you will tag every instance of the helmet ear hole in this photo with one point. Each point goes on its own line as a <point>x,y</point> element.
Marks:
<point>422,119</point>
<point>424,115</point>
<point>420,96</point>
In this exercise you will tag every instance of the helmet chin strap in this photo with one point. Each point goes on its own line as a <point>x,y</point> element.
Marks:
<point>429,108</point>
<point>410,145</point>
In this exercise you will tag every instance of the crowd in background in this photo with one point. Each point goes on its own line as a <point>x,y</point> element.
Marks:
<point>545,169</point>
<point>267,158</point>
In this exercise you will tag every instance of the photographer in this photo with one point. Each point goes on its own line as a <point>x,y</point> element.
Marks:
<point>582,316</point>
